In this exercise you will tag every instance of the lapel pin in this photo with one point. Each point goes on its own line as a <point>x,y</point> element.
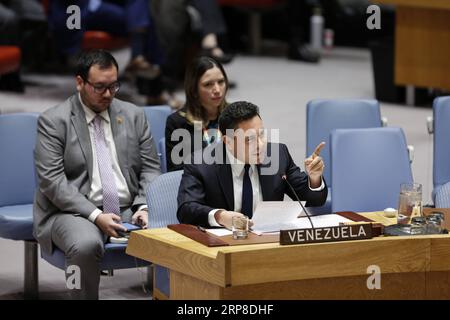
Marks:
<point>119,120</point>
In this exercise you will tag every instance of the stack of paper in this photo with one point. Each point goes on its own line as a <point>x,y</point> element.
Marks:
<point>273,216</point>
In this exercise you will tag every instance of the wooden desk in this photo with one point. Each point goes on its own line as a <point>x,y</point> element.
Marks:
<point>411,267</point>
<point>422,42</point>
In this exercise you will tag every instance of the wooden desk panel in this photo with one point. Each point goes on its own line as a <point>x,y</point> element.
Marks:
<point>177,252</point>
<point>326,260</point>
<point>393,286</point>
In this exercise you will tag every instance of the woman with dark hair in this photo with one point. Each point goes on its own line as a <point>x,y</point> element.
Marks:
<point>205,85</point>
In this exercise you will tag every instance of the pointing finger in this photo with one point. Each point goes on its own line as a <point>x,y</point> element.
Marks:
<point>316,152</point>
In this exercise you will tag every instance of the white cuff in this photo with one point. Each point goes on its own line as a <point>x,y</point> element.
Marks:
<point>144,206</point>
<point>212,220</point>
<point>94,215</point>
<point>322,186</point>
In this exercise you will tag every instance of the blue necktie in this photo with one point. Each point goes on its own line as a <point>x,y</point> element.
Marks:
<point>247,193</point>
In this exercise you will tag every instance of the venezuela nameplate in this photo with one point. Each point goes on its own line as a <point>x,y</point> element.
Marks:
<point>326,234</point>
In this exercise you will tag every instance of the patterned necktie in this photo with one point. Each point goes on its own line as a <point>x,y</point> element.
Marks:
<point>110,194</point>
<point>247,193</point>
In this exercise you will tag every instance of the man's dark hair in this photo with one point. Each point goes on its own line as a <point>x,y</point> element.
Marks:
<point>235,113</point>
<point>87,59</point>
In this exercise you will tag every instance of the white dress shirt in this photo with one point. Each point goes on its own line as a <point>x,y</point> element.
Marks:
<point>96,194</point>
<point>237,169</point>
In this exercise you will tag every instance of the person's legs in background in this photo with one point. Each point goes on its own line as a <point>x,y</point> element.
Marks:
<point>67,41</point>
<point>33,32</point>
<point>9,26</point>
<point>10,36</point>
<point>126,18</point>
<point>213,26</point>
<point>29,9</point>
<point>298,16</point>
<point>146,53</point>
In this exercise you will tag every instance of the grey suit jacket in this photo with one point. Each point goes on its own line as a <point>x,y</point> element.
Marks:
<point>63,158</point>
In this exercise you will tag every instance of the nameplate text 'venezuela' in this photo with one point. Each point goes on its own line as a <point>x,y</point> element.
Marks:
<point>326,234</point>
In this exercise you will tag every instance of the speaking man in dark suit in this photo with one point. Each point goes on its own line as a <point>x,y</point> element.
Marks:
<point>94,157</point>
<point>246,169</point>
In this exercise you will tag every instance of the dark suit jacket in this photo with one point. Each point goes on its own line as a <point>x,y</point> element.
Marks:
<point>178,120</point>
<point>205,187</point>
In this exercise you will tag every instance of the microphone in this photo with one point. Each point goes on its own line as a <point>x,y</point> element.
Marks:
<point>283,176</point>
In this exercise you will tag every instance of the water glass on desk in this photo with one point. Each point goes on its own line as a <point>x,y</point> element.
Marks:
<point>240,227</point>
<point>410,202</point>
<point>434,223</point>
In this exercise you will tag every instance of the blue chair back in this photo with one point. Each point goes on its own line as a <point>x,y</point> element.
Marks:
<point>442,196</point>
<point>163,156</point>
<point>323,116</point>
<point>162,203</point>
<point>368,166</point>
<point>156,117</point>
<point>441,156</point>
<point>17,175</point>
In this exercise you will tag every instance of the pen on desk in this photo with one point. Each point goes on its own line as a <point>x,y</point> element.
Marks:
<point>201,229</point>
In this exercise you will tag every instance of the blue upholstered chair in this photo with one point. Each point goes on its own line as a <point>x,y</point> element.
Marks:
<point>17,187</point>
<point>156,117</point>
<point>115,258</point>
<point>442,196</point>
<point>441,154</point>
<point>368,166</point>
<point>162,203</point>
<point>322,116</point>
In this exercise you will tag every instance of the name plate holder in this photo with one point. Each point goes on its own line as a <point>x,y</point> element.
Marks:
<point>343,232</point>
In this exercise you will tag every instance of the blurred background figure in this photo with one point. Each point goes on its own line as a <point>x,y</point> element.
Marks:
<point>206,86</point>
<point>299,12</point>
<point>200,30</point>
<point>123,18</point>
<point>23,23</point>
<point>212,26</point>
<point>126,18</point>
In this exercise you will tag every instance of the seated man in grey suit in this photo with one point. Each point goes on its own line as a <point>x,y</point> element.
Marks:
<point>94,157</point>
<point>246,170</point>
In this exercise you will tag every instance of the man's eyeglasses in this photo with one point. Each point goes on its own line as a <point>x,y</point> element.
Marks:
<point>101,89</point>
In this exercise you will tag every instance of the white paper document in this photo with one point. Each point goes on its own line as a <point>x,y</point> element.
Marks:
<point>273,216</point>
<point>219,232</point>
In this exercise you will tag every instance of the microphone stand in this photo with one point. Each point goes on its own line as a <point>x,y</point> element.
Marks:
<point>296,196</point>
